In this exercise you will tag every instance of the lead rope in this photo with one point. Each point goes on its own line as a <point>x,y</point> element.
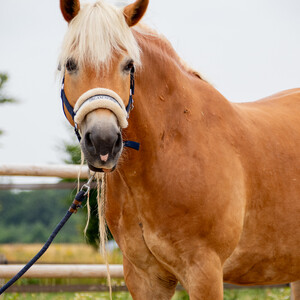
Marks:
<point>87,202</point>
<point>101,200</point>
<point>80,170</point>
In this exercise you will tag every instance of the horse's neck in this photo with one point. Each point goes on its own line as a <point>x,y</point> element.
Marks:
<point>167,92</point>
<point>169,101</point>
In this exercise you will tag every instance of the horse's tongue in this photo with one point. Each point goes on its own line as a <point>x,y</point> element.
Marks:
<point>104,157</point>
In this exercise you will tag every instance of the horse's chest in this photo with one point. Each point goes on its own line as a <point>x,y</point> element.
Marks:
<point>140,244</point>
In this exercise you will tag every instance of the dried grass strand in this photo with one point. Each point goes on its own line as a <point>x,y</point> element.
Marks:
<point>101,198</point>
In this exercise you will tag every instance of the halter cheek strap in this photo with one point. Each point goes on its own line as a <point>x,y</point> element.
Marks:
<point>65,101</point>
<point>101,98</point>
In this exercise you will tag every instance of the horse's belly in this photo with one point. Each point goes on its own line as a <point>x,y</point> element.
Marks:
<point>269,248</point>
<point>268,252</point>
<point>255,269</point>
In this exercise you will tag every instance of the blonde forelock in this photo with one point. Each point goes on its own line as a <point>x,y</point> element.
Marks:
<point>98,31</point>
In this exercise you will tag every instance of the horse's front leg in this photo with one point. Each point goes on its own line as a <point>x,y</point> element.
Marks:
<point>152,283</point>
<point>203,278</point>
<point>295,290</point>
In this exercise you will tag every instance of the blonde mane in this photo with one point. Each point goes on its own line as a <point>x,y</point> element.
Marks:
<point>95,34</point>
<point>150,36</point>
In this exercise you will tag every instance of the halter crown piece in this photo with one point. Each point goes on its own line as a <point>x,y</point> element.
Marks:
<point>101,98</point>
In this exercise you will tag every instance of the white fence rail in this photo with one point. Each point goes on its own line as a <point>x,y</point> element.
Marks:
<point>63,271</point>
<point>86,271</point>
<point>62,171</point>
<point>81,271</point>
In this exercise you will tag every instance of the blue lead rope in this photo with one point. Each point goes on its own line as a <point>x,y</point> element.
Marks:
<point>79,198</point>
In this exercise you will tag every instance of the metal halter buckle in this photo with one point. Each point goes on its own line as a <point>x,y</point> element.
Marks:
<point>87,186</point>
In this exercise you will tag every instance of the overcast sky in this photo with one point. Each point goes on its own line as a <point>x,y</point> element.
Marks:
<point>246,49</point>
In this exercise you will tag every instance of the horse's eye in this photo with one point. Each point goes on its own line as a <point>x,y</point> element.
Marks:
<point>129,66</point>
<point>71,65</point>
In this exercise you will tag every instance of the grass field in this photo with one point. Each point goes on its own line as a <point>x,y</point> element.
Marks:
<point>268,294</point>
<point>74,253</point>
<point>58,253</point>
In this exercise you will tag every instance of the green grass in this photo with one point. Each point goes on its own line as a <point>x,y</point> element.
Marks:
<point>67,296</point>
<point>258,294</point>
<point>245,294</point>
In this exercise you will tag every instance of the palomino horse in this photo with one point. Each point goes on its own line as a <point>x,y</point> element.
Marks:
<point>214,193</point>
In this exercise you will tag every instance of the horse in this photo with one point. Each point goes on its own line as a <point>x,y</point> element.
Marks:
<point>213,195</point>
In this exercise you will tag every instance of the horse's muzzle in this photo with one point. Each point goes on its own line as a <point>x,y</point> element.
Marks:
<point>102,147</point>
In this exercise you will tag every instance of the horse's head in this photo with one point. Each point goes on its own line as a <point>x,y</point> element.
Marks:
<point>97,61</point>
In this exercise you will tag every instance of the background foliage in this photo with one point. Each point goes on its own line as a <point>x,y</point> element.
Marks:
<point>3,97</point>
<point>30,217</point>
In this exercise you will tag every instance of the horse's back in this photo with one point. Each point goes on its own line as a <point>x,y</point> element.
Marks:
<point>268,251</point>
<point>290,94</point>
<point>285,102</point>
<point>274,120</point>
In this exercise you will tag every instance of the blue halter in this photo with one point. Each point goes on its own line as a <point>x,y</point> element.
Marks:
<point>129,107</point>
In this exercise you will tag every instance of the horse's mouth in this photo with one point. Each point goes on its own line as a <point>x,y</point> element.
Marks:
<point>101,170</point>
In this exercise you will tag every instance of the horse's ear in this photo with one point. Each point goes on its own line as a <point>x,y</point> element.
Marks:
<point>135,11</point>
<point>69,8</point>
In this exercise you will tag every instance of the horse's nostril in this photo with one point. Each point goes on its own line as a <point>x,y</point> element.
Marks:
<point>118,143</point>
<point>88,139</point>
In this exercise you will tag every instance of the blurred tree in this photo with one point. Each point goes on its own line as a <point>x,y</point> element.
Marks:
<point>3,98</point>
<point>73,153</point>
<point>30,216</point>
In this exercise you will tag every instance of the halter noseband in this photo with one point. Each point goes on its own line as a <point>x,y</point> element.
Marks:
<point>101,98</point>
